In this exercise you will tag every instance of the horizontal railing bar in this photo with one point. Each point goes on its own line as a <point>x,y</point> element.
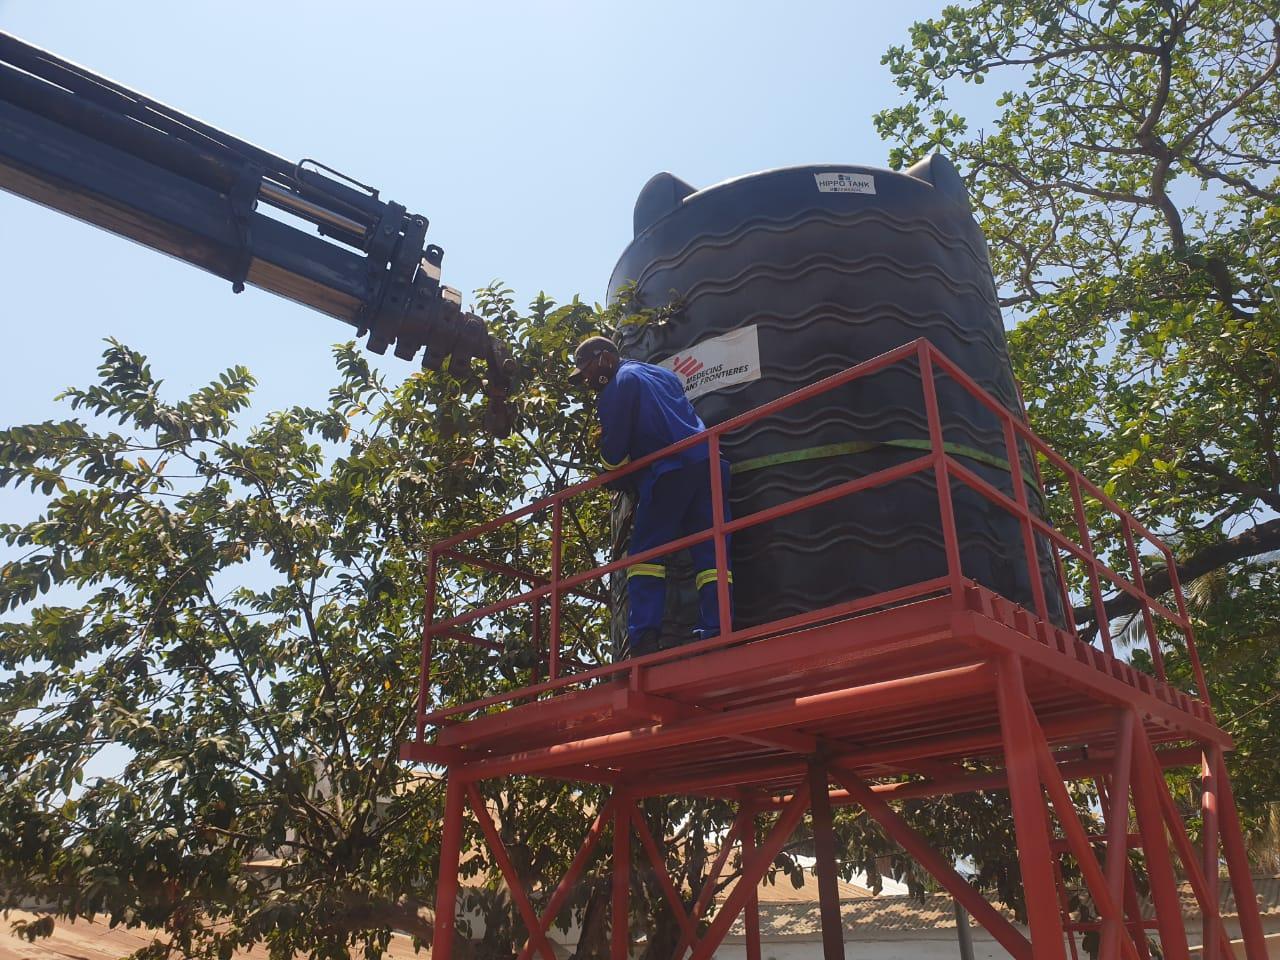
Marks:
<point>497,566</point>
<point>849,487</point>
<point>919,348</point>
<point>834,612</point>
<point>863,369</point>
<point>1034,439</point>
<point>819,497</point>
<point>975,482</point>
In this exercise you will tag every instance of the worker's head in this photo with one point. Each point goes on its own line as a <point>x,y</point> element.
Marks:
<point>597,361</point>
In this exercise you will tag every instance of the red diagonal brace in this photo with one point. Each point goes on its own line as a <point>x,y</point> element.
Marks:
<point>562,891</point>
<point>1190,862</point>
<point>1255,945</point>
<point>1118,836</point>
<point>1155,846</point>
<point>656,857</point>
<point>709,886</point>
<point>1078,839</point>
<point>753,870</point>
<point>1030,818</point>
<point>499,851</point>
<point>1005,933</point>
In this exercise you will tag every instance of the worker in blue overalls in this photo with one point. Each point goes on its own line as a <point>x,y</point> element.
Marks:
<point>642,408</point>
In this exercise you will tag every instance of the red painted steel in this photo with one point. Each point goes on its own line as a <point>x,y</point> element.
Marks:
<point>659,862</point>
<point>1212,924</point>
<point>1030,819</point>
<point>514,886</point>
<point>565,887</point>
<point>620,908</point>
<point>921,681</point>
<point>752,911</point>
<point>824,850</point>
<point>708,890</point>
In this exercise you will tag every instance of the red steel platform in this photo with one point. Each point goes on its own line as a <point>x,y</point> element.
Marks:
<point>942,687</point>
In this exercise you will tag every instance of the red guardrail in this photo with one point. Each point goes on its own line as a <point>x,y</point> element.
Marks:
<point>555,585</point>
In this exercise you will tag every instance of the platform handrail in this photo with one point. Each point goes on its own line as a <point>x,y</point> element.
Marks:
<point>947,469</point>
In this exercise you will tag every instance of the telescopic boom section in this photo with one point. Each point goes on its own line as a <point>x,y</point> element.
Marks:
<point>81,144</point>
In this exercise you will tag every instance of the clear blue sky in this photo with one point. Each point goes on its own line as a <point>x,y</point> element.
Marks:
<point>522,130</point>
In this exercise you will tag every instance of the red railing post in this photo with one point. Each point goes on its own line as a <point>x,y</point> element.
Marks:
<point>428,614</point>
<point>1091,566</point>
<point>1188,633</point>
<point>1153,640</point>
<point>536,617</point>
<point>1024,518</point>
<point>718,535</point>
<point>557,524</point>
<point>1057,557</point>
<point>950,541</point>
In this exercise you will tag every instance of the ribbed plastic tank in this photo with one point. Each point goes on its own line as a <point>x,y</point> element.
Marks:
<point>781,278</point>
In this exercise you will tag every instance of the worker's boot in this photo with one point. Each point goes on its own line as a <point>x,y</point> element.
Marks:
<point>647,642</point>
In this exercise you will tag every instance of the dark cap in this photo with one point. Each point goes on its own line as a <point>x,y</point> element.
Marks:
<point>586,354</point>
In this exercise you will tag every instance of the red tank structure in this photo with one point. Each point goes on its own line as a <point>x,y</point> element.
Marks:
<point>938,688</point>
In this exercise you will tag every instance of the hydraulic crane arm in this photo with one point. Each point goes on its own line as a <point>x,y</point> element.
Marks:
<point>81,144</point>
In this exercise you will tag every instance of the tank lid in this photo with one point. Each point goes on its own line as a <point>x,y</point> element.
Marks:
<point>659,197</point>
<point>937,170</point>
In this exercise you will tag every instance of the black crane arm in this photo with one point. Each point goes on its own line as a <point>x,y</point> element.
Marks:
<point>81,144</point>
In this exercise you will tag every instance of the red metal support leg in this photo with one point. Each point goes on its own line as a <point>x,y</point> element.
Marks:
<point>1209,849</point>
<point>1155,845</point>
<point>1065,904</point>
<point>1030,818</point>
<point>825,864</point>
<point>753,870</point>
<point>1255,947</point>
<point>620,934</point>
<point>447,877</point>
<point>1181,842</point>
<point>752,917</point>
<point>1136,924</point>
<point>514,886</point>
<point>1077,839</point>
<point>1005,933</point>
<point>1117,820</point>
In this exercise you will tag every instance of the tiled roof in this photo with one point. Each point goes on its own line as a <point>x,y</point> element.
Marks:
<point>784,892</point>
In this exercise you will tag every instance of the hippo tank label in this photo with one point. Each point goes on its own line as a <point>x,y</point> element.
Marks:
<point>845,182</point>
<point>722,361</point>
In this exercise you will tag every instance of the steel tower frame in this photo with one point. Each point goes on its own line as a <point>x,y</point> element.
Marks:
<point>937,688</point>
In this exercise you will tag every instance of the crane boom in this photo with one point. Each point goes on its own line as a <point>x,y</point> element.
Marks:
<point>81,144</point>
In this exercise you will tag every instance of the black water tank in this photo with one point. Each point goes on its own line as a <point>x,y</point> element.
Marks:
<point>788,276</point>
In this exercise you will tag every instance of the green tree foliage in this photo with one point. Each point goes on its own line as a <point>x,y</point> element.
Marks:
<point>234,613</point>
<point>1129,187</point>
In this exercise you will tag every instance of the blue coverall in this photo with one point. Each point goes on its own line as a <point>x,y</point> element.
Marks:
<point>641,410</point>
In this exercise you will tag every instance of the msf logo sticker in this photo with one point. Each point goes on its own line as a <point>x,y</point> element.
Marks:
<point>685,366</point>
<point>722,361</point>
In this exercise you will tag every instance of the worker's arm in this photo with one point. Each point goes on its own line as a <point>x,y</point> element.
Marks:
<point>616,409</point>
